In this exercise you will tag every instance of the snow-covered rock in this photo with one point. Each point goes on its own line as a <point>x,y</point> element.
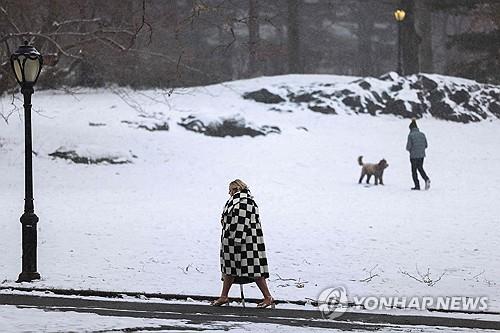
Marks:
<point>264,96</point>
<point>221,127</point>
<point>148,125</point>
<point>413,96</point>
<point>90,154</point>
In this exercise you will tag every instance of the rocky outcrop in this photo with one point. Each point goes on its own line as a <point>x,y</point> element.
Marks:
<point>151,126</point>
<point>91,155</point>
<point>233,127</point>
<point>263,96</point>
<point>413,96</point>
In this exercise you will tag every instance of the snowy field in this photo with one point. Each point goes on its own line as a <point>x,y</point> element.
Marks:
<point>154,225</point>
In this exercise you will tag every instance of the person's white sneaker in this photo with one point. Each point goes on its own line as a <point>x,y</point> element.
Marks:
<point>427,184</point>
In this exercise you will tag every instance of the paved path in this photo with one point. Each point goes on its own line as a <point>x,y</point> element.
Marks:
<point>204,314</point>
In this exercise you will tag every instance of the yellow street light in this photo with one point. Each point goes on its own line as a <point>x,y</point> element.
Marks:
<point>399,15</point>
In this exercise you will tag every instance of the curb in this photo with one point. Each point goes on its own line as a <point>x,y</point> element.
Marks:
<point>122,294</point>
<point>173,297</point>
<point>203,313</point>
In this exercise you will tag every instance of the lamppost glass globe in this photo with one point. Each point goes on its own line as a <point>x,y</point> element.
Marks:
<point>26,63</point>
<point>399,15</point>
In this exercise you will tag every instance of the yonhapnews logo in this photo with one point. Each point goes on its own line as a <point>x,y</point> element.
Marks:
<point>334,302</point>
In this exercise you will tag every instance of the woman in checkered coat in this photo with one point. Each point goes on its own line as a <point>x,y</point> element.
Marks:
<point>242,253</point>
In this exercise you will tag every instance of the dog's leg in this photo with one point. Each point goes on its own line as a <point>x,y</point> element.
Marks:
<point>361,178</point>
<point>376,180</point>
<point>381,180</point>
<point>368,178</point>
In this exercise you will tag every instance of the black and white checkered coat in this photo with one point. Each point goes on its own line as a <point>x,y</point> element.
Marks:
<point>242,252</point>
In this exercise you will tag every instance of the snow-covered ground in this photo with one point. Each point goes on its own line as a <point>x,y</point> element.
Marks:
<point>153,225</point>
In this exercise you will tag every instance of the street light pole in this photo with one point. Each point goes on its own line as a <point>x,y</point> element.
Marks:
<point>27,64</point>
<point>399,15</point>
<point>29,219</point>
<point>400,69</point>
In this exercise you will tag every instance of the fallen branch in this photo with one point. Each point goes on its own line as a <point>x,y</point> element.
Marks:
<point>281,279</point>
<point>371,275</point>
<point>424,278</point>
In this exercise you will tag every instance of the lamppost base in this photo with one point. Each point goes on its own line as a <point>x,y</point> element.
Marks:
<point>28,277</point>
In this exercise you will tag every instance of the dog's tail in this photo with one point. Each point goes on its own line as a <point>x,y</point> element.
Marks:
<point>360,160</point>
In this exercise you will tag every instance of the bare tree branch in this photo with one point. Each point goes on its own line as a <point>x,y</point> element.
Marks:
<point>44,36</point>
<point>6,14</point>
<point>143,23</point>
<point>74,21</point>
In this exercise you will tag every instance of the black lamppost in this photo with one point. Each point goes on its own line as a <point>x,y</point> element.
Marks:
<point>399,15</point>
<point>27,64</point>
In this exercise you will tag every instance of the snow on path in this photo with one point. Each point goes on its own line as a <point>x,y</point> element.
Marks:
<point>24,319</point>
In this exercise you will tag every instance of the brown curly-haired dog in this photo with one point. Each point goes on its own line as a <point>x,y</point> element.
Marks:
<point>371,169</point>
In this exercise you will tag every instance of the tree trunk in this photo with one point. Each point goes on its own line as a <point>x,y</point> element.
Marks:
<point>424,19</point>
<point>192,40</point>
<point>444,39</point>
<point>293,36</point>
<point>410,40</point>
<point>365,30</point>
<point>253,38</point>
<point>173,14</point>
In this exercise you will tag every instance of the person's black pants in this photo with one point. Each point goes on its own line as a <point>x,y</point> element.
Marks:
<point>418,164</point>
